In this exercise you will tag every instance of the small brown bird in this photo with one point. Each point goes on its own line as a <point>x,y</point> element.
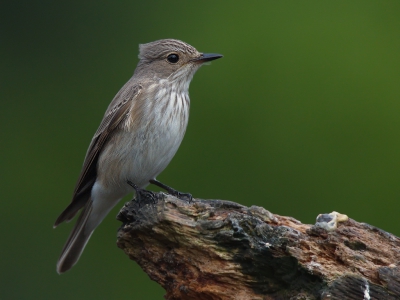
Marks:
<point>137,138</point>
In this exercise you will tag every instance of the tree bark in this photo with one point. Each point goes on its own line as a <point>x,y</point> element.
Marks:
<point>215,249</point>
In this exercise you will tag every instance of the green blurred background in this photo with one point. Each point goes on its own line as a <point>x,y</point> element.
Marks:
<point>301,116</point>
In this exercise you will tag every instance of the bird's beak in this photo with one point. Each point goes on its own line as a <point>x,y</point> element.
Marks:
<point>207,57</point>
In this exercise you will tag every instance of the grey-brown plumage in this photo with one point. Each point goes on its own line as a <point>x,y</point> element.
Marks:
<point>137,138</point>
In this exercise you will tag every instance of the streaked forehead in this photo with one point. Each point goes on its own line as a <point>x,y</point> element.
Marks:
<point>161,48</point>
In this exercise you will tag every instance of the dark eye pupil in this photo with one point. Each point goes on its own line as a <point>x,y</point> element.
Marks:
<point>173,58</point>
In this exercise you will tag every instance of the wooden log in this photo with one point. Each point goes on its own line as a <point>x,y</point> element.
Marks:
<point>215,249</point>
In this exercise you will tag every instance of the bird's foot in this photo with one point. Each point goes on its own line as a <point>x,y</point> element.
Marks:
<point>142,194</point>
<point>171,191</point>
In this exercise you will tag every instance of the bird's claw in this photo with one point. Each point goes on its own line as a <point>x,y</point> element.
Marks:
<point>142,194</point>
<point>183,196</point>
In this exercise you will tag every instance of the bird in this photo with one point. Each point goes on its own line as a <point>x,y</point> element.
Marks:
<point>138,136</point>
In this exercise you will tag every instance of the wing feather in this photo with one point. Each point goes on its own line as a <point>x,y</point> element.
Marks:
<point>116,113</point>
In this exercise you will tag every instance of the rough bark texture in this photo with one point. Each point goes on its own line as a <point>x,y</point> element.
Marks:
<point>215,249</point>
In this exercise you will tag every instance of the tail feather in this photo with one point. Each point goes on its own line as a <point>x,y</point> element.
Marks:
<point>77,240</point>
<point>79,201</point>
<point>94,210</point>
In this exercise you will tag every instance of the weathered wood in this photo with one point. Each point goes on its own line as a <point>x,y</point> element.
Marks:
<point>214,249</point>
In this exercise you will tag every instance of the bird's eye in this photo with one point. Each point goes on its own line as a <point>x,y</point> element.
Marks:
<point>173,58</point>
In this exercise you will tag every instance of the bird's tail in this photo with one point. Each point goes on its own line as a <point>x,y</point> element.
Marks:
<point>77,240</point>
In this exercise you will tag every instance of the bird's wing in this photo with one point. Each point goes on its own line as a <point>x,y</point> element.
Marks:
<point>117,111</point>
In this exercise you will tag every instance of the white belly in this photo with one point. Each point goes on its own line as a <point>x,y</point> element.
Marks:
<point>145,151</point>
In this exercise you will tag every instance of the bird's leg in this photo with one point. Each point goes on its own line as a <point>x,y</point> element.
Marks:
<point>171,191</point>
<point>141,194</point>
